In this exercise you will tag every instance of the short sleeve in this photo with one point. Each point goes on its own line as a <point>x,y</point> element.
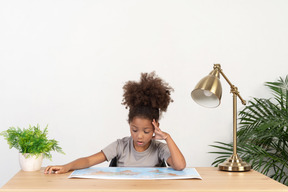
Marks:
<point>164,152</point>
<point>111,150</point>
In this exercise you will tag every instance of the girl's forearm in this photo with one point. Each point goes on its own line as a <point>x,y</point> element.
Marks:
<point>86,162</point>
<point>178,160</point>
<point>80,163</point>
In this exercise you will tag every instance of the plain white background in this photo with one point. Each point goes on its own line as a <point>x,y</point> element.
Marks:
<point>64,63</point>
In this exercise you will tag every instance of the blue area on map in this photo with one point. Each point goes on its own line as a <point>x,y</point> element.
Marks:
<point>135,173</point>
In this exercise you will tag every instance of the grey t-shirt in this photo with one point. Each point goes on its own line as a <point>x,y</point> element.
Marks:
<point>127,156</point>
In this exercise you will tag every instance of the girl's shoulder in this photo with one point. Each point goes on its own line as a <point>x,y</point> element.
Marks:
<point>125,139</point>
<point>124,142</point>
<point>158,144</point>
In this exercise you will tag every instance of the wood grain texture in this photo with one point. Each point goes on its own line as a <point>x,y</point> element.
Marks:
<point>212,180</point>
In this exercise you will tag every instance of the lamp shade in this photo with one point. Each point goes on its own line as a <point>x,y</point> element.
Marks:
<point>208,91</point>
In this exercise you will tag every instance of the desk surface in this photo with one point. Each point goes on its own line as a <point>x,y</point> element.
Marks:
<point>212,180</point>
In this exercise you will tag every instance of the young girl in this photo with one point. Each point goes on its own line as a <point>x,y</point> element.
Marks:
<point>146,101</point>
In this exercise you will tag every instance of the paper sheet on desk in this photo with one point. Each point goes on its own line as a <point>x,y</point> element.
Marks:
<point>135,173</point>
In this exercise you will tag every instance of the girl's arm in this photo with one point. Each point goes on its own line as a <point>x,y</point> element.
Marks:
<point>80,163</point>
<point>176,160</point>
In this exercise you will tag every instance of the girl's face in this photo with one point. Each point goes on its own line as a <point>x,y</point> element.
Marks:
<point>142,132</point>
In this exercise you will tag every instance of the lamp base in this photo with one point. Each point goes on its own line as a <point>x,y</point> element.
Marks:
<point>234,163</point>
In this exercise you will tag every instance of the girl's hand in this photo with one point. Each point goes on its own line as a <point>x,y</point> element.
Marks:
<point>159,135</point>
<point>56,169</point>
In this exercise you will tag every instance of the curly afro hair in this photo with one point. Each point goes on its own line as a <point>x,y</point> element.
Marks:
<point>147,98</point>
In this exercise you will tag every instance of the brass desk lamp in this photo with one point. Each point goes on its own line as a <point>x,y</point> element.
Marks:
<point>208,93</point>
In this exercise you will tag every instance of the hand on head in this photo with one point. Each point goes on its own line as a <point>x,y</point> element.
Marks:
<point>159,135</point>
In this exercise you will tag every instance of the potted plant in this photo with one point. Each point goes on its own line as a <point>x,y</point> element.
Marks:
<point>263,134</point>
<point>32,144</point>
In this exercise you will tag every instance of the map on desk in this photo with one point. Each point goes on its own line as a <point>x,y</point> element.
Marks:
<point>135,173</point>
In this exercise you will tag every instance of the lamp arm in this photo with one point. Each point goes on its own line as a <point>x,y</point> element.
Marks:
<point>234,89</point>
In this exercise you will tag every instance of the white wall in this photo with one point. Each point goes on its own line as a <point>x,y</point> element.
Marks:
<point>63,63</point>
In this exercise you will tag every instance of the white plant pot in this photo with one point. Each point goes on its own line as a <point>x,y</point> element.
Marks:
<point>31,163</point>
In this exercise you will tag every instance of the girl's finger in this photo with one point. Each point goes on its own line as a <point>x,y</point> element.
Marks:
<point>155,123</point>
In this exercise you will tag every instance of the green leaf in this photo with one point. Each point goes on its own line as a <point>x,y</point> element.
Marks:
<point>31,140</point>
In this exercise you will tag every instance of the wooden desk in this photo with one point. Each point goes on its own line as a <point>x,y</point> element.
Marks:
<point>213,180</point>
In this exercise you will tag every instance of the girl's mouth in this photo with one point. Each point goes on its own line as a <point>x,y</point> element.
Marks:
<point>139,142</point>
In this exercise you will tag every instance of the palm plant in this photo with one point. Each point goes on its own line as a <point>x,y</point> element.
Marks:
<point>262,138</point>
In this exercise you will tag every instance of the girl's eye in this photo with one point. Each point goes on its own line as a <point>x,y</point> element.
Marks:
<point>146,132</point>
<point>134,130</point>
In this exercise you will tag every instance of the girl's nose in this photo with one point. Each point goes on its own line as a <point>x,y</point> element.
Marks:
<point>140,136</point>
